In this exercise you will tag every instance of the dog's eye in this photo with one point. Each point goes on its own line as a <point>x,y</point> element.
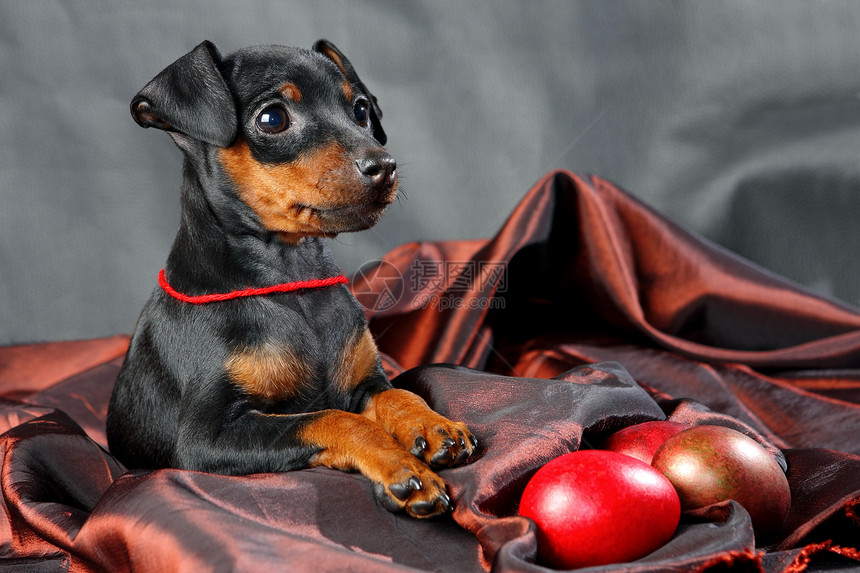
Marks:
<point>361,112</point>
<point>273,119</point>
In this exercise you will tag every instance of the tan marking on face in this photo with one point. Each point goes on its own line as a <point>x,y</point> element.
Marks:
<point>347,90</point>
<point>357,361</point>
<point>290,91</point>
<point>287,196</point>
<point>269,371</point>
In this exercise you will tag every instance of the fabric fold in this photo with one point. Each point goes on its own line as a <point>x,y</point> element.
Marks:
<point>586,313</point>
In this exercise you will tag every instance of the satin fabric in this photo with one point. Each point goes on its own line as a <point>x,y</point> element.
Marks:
<point>586,313</point>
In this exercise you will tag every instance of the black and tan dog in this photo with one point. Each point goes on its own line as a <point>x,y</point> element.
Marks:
<point>252,355</point>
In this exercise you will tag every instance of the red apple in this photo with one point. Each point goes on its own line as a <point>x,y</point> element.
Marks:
<point>709,464</point>
<point>642,440</point>
<point>595,507</point>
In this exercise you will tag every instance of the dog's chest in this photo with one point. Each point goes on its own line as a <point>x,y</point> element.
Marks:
<point>302,349</point>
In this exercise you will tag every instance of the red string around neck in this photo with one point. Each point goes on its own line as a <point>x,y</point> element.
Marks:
<point>280,288</point>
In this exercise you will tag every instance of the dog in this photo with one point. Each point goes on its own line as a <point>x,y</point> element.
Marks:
<point>251,355</point>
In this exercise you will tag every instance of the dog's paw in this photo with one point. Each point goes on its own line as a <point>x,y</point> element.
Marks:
<point>438,441</point>
<point>415,489</point>
<point>429,436</point>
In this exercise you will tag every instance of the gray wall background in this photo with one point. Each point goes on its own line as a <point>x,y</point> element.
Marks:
<point>741,120</point>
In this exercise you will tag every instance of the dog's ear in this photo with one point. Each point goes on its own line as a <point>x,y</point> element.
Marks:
<point>190,97</point>
<point>330,51</point>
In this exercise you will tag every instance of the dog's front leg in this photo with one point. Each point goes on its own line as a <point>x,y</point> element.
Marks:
<point>352,442</point>
<point>220,434</point>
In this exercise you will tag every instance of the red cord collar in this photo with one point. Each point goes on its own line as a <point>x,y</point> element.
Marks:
<point>280,288</point>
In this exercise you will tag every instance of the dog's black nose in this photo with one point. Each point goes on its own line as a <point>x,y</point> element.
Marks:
<point>377,167</point>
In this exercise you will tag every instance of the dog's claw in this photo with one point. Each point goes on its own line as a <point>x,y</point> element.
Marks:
<point>442,458</point>
<point>423,508</point>
<point>415,484</point>
<point>419,447</point>
<point>447,504</point>
<point>432,507</point>
<point>403,491</point>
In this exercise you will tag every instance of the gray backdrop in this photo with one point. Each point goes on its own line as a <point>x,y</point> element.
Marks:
<point>741,120</point>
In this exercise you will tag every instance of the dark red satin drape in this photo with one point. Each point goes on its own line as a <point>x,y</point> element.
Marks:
<point>583,256</point>
<point>587,312</point>
<point>592,275</point>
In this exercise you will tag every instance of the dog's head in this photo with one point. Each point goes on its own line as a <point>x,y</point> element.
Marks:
<point>295,131</point>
